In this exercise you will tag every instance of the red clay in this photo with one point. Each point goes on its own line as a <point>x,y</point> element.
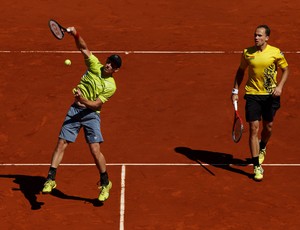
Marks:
<point>163,102</point>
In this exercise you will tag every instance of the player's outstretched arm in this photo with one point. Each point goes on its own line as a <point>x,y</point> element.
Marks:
<point>80,43</point>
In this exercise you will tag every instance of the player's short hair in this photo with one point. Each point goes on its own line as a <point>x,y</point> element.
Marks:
<point>116,59</point>
<point>267,29</point>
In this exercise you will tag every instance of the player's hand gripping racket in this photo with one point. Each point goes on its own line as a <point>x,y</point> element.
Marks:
<point>57,30</point>
<point>238,127</point>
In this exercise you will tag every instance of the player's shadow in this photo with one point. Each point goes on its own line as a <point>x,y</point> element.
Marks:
<point>30,186</point>
<point>57,193</point>
<point>216,159</point>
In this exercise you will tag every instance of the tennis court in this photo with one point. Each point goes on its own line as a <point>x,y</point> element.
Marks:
<point>167,129</point>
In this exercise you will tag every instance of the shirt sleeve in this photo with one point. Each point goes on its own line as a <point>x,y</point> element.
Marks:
<point>281,61</point>
<point>93,64</point>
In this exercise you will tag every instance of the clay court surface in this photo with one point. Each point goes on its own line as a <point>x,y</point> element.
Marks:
<point>167,129</point>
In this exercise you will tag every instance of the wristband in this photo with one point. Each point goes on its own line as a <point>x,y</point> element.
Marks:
<point>235,91</point>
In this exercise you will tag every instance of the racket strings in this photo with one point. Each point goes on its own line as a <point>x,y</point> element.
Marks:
<point>237,130</point>
<point>56,30</point>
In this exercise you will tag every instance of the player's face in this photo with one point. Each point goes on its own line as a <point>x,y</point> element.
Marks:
<point>110,67</point>
<point>260,37</point>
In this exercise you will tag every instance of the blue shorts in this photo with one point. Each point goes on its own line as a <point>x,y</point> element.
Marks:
<point>261,106</point>
<point>78,118</point>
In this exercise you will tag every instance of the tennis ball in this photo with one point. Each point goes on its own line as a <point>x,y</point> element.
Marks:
<point>68,62</point>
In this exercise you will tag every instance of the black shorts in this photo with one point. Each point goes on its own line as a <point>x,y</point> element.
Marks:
<point>261,106</point>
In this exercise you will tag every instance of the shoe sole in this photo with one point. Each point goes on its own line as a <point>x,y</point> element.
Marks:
<point>258,179</point>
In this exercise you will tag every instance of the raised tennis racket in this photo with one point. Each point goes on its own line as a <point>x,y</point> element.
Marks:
<point>238,127</point>
<point>56,29</point>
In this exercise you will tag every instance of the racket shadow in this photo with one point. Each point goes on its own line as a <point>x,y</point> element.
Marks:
<point>216,159</point>
<point>30,186</point>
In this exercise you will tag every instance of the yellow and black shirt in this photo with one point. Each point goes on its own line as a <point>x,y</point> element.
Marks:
<point>262,69</point>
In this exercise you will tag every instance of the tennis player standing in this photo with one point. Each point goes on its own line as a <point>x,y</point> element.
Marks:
<point>96,86</point>
<point>262,92</point>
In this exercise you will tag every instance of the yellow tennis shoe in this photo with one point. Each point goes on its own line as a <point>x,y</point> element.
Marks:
<point>48,186</point>
<point>104,192</point>
<point>258,173</point>
<point>262,155</point>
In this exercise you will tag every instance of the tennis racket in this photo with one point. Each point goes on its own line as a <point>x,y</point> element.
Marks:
<point>238,127</point>
<point>57,30</point>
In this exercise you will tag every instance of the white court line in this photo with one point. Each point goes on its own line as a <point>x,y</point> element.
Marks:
<point>121,51</point>
<point>136,51</point>
<point>122,199</point>
<point>146,164</point>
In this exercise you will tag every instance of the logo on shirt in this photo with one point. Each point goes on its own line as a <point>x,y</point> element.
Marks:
<point>269,78</point>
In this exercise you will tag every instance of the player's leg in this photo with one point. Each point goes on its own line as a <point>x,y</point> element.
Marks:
<point>58,152</point>
<point>253,117</point>
<point>68,134</point>
<point>265,136</point>
<point>56,159</point>
<point>271,105</point>
<point>253,138</point>
<point>266,131</point>
<point>91,126</point>
<point>254,148</point>
<point>98,157</point>
<point>105,183</point>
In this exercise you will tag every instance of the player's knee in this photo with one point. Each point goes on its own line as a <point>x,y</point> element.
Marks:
<point>268,126</point>
<point>254,127</point>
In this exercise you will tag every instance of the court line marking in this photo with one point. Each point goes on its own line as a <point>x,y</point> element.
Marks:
<point>135,51</point>
<point>147,164</point>
<point>122,198</point>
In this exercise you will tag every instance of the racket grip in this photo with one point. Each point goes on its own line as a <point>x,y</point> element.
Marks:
<point>235,105</point>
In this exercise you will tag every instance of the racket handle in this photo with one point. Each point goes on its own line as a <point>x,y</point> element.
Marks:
<point>235,105</point>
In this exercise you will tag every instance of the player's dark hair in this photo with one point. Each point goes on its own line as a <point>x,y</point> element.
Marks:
<point>116,59</point>
<point>267,29</point>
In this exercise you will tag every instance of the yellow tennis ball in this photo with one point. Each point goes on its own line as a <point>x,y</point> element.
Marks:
<point>68,62</point>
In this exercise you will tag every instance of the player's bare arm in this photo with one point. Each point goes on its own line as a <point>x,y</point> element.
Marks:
<point>80,43</point>
<point>237,82</point>
<point>94,105</point>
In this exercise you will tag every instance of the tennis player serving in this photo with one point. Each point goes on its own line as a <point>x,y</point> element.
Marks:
<point>263,91</point>
<point>95,87</point>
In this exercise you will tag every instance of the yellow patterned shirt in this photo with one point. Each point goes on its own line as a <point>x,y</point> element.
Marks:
<point>262,69</point>
<point>93,85</point>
